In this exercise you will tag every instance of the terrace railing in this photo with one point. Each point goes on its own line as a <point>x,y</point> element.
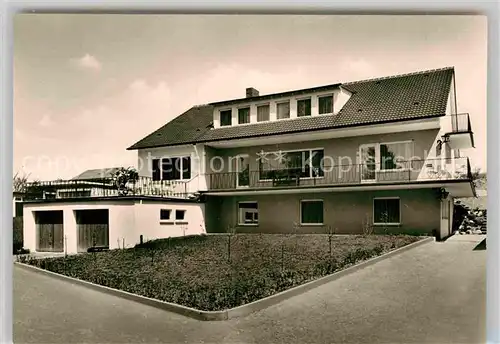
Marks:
<point>353,174</point>
<point>144,186</point>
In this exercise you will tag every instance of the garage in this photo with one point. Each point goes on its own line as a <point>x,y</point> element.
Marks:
<point>93,228</point>
<point>49,231</point>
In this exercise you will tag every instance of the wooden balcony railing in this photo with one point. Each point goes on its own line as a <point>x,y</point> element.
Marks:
<point>354,174</point>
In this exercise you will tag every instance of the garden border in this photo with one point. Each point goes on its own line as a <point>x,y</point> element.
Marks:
<point>232,312</point>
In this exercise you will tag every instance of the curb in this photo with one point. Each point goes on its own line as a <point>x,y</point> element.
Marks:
<point>231,313</point>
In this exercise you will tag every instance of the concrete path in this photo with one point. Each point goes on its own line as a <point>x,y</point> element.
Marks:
<point>434,293</point>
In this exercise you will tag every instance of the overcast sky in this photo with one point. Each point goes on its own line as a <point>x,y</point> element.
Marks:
<point>86,87</point>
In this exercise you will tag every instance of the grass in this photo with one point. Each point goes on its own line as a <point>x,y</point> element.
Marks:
<point>196,271</point>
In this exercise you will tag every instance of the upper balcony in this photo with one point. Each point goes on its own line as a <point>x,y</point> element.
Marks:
<point>105,188</point>
<point>459,134</point>
<point>430,171</point>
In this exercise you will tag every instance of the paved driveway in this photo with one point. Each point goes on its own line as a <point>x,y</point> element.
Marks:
<point>434,293</point>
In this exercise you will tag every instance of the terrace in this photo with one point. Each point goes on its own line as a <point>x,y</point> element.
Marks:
<point>439,170</point>
<point>98,188</point>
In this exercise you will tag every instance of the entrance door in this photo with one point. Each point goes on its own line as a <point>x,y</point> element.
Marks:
<point>367,155</point>
<point>242,168</point>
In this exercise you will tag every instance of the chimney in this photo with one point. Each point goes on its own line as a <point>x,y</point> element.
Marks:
<point>252,92</point>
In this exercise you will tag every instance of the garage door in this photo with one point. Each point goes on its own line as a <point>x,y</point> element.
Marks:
<point>50,231</point>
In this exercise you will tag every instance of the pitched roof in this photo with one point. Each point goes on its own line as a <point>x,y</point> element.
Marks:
<point>100,173</point>
<point>389,99</point>
<point>183,129</point>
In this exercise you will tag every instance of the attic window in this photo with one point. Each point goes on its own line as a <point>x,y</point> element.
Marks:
<point>225,117</point>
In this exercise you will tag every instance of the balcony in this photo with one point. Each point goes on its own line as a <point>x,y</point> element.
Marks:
<point>459,135</point>
<point>70,189</point>
<point>428,170</point>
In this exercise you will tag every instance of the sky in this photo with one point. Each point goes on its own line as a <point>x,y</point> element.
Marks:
<point>87,86</point>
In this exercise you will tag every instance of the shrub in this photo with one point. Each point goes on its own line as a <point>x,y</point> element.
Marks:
<point>195,272</point>
<point>17,238</point>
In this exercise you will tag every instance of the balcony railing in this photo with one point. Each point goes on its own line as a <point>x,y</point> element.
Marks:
<point>354,174</point>
<point>460,123</point>
<point>144,186</point>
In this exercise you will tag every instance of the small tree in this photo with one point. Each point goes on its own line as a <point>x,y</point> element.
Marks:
<point>478,177</point>
<point>231,231</point>
<point>367,225</point>
<point>124,176</point>
<point>330,231</point>
<point>19,183</point>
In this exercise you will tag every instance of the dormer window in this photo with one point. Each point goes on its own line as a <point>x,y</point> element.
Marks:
<point>325,105</point>
<point>244,115</point>
<point>263,113</point>
<point>283,110</point>
<point>304,107</point>
<point>225,118</point>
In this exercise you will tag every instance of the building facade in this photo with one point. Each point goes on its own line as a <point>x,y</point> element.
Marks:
<point>380,155</point>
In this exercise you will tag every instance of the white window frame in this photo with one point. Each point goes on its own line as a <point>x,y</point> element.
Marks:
<point>329,95</point>
<point>179,156</point>
<point>377,154</point>
<point>220,117</point>
<point>249,107</point>
<point>241,219</point>
<point>268,113</point>
<point>389,223</point>
<point>236,159</point>
<point>169,214</point>
<point>300,212</point>
<point>292,151</point>
<point>184,221</point>
<point>289,109</point>
<point>297,100</point>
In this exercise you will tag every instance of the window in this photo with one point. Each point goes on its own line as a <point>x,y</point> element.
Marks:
<point>180,215</point>
<point>262,113</point>
<point>186,167</point>
<point>311,212</point>
<point>325,104</point>
<point>156,169</point>
<point>283,110</point>
<point>176,168</point>
<point>165,214</point>
<point>248,213</point>
<point>395,156</point>
<point>244,116</point>
<point>306,163</point>
<point>304,107</point>
<point>225,117</point>
<point>386,211</point>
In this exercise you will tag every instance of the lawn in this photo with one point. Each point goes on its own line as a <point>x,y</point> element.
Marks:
<point>203,273</point>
